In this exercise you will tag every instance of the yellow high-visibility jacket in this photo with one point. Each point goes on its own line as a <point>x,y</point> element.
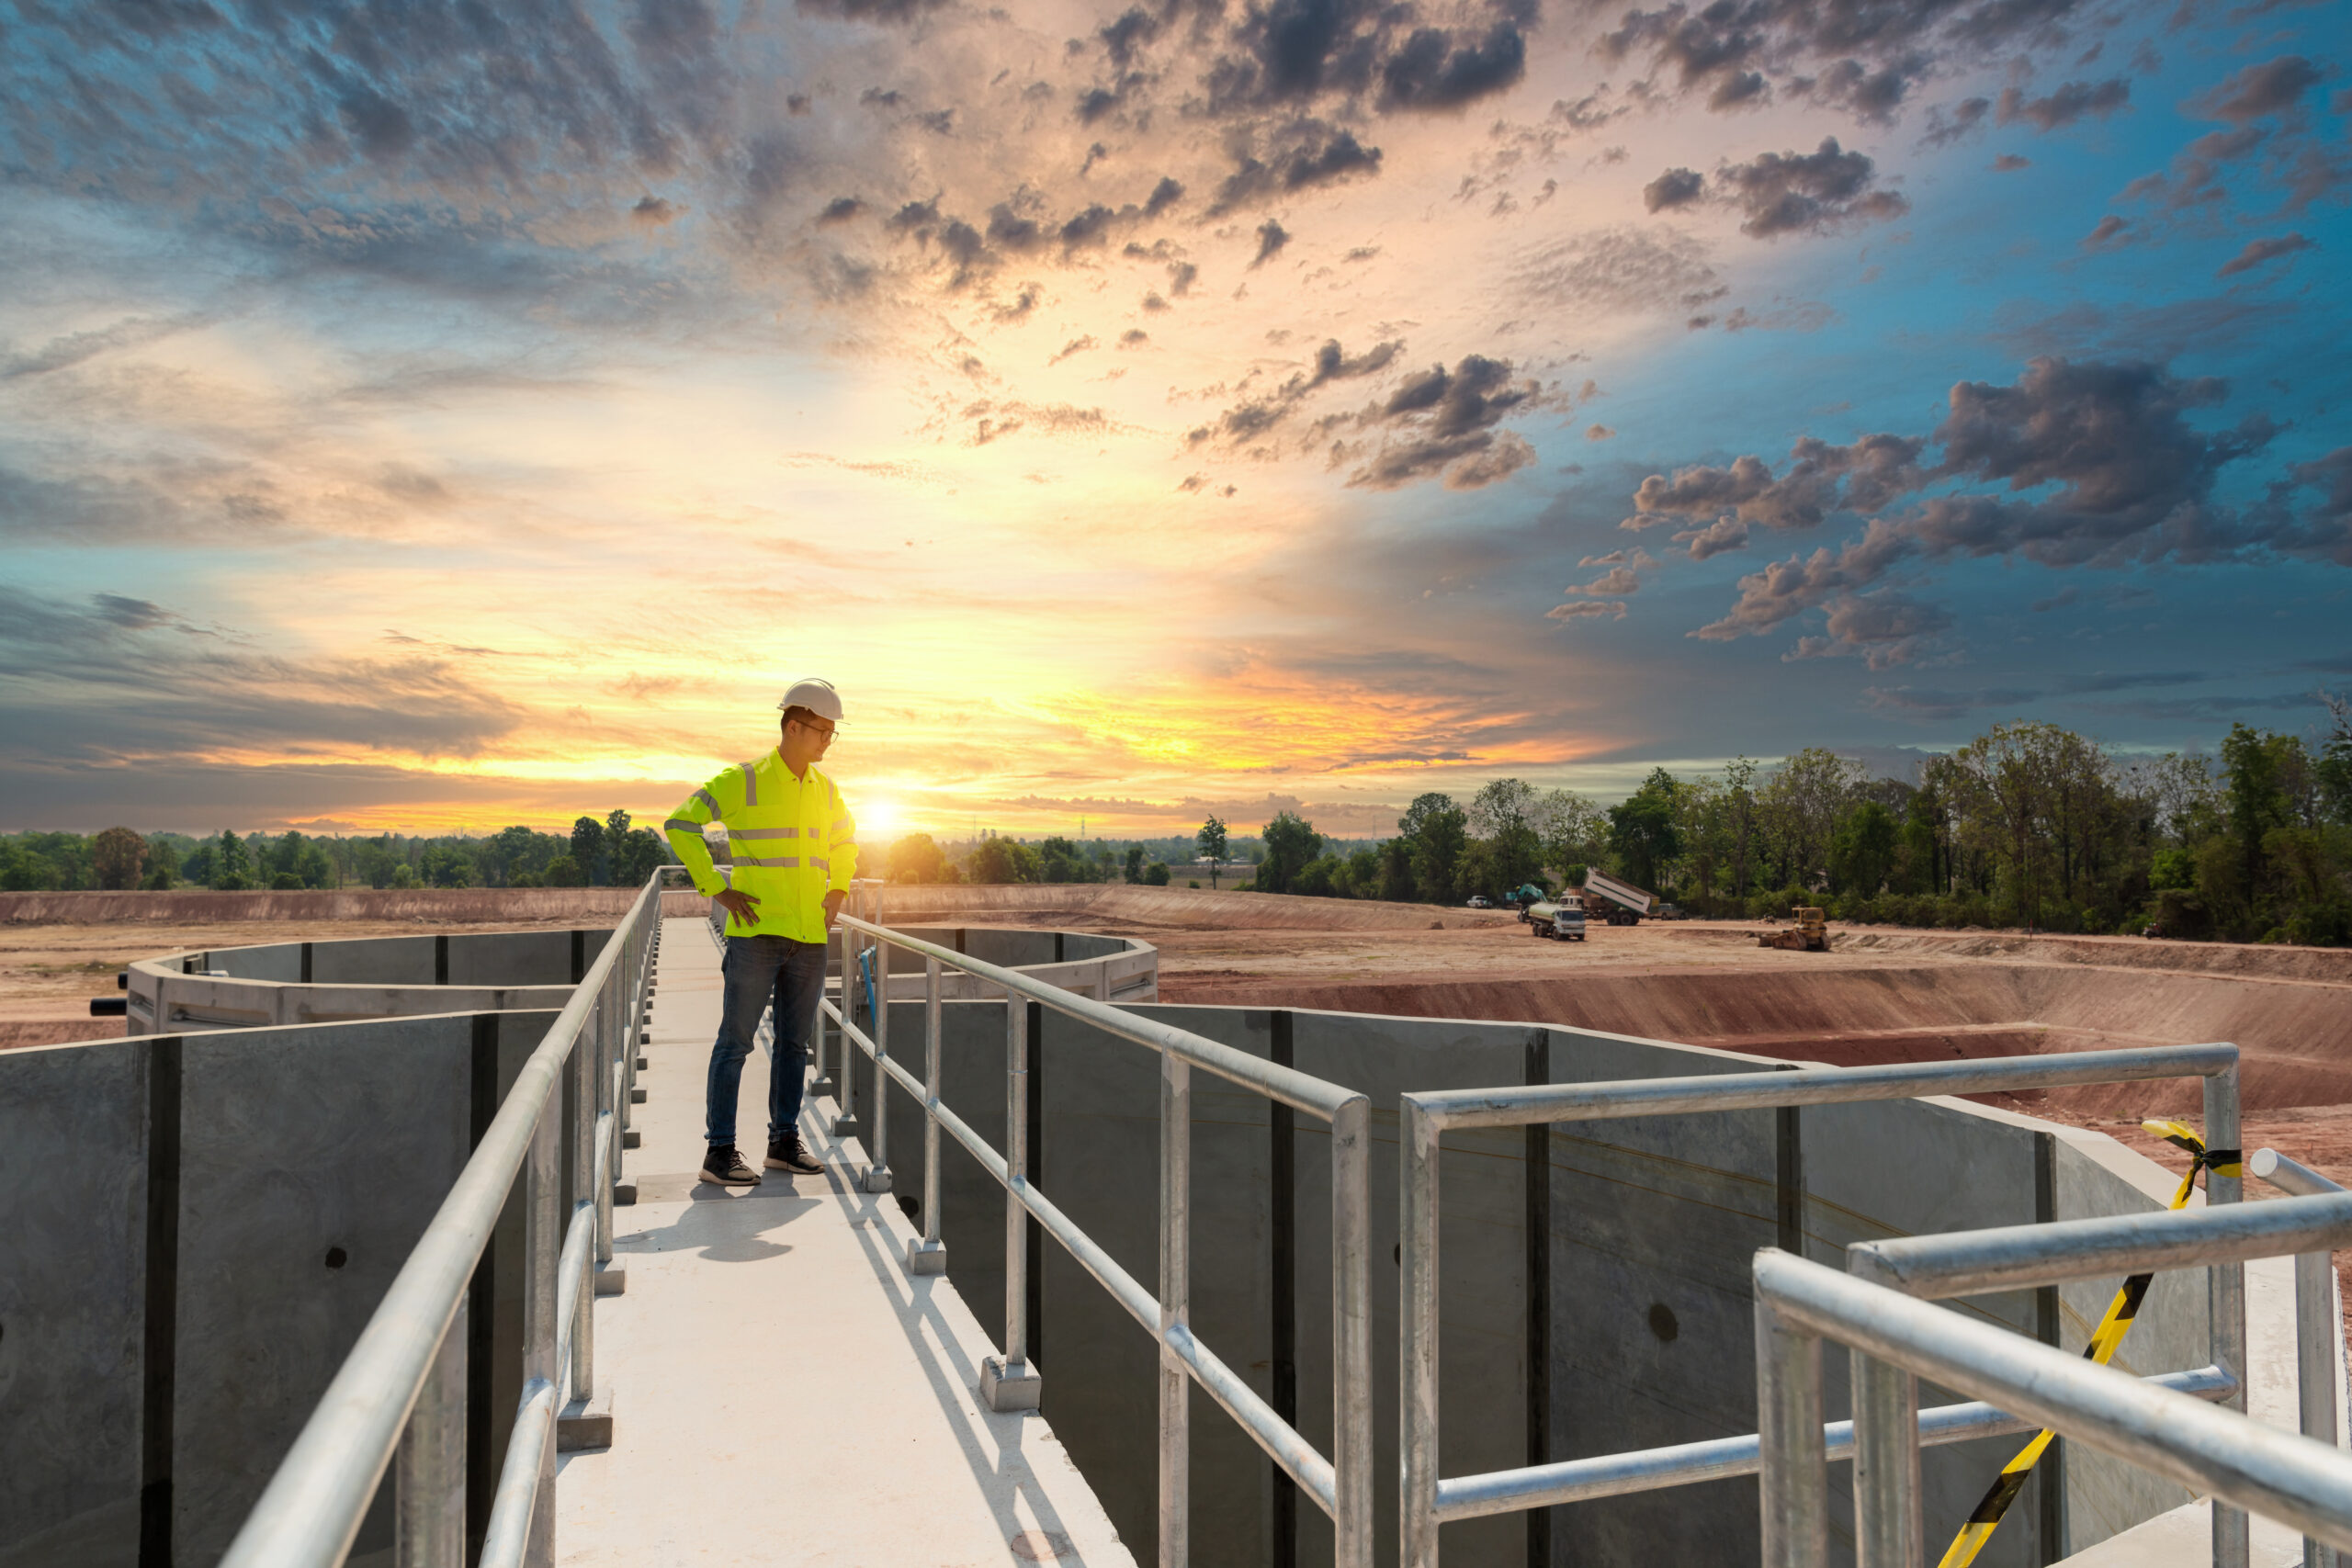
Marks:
<point>793,841</point>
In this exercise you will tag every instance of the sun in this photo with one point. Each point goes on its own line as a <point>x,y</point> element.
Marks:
<point>877,819</point>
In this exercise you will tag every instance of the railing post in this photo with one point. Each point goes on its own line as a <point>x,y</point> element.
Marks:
<point>1794,1475</point>
<point>929,1255</point>
<point>846,1082</point>
<point>543,1216</point>
<point>1351,1450</point>
<point>430,1526</point>
<point>877,1178</point>
<point>837,958</point>
<point>1889,1530</point>
<point>1416,1335</point>
<point>582,1385</point>
<point>1175,1308</point>
<point>1010,1382</point>
<point>2226,1292</point>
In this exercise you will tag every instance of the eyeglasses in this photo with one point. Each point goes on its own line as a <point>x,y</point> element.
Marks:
<point>823,731</point>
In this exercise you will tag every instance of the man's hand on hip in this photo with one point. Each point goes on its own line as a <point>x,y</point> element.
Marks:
<point>833,907</point>
<point>742,906</point>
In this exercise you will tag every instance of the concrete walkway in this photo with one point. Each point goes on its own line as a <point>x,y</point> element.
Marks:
<point>783,1390</point>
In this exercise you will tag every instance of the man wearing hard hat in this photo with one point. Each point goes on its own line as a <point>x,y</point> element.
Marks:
<point>795,850</point>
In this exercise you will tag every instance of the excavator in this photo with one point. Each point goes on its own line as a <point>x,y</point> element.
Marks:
<point>1809,934</point>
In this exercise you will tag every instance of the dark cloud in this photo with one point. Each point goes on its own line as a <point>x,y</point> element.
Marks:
<point>1164,195</point>
<point>653,211</point>
<point>1864,58</point>
<point>117,674</point>
<point>2124,477</point>
<point>1315,155</point>
<point>2273,87</point>
<point>840,210</point>
<point>1272,238</point>
<point>2070,102</point>
<point>1293,52</point>
<point>1965,118</point>
<point>1807,193</point>
<point>1676,187</point>
<point>1254,417</point>
<point>1864,477</point>
<point>1439,418</point>
<point>2256,252</point>
<point>2009,164</point>
<point>1438,69</point>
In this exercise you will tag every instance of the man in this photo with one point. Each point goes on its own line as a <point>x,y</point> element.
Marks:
<point>795,850</point>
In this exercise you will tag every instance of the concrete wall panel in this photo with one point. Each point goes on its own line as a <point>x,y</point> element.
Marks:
<point>72,1277</point>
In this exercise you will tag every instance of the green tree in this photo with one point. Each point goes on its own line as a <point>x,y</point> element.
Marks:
<point>1212,842</point>
<point>1572,829</point>
<point>1135,862</point>
<point>162,864</point>
<point>118,854</point>
<point>1642,829</point>
<point>561,871</point>
<point>1436,831</point>
<point>587,847</point>
<point>1002,860</point>
<point>916,857</point>
<point>1862,851</point>
<point>233,867</point>
<point>1504,814</point>
<point>1059,859</point>
<point>1155,874</point>
<point>1292,845</point>
<point>446,865</point>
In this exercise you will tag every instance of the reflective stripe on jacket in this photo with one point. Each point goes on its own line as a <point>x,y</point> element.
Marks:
<point>793,841</point>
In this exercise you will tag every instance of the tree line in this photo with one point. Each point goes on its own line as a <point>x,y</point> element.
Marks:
<point>609,852</point>
<point>2029,825</point>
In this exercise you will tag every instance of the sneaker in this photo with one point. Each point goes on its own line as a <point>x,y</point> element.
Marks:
<point>787,1155</point>
<point>725,1167</point>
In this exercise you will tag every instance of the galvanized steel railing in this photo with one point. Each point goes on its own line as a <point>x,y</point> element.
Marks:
<point>1341,1485</point>
<point>2319,1329</point>
<point>1429,1499</point>
<point>1895,1339</point>
<point>399,1397</point>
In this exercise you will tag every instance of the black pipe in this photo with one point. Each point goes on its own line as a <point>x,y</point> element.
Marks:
<point>110,1007</point>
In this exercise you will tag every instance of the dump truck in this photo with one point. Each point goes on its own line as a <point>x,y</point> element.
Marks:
<point>1809,934</point>
<point>1619,903</point>
<point>1561,919</point>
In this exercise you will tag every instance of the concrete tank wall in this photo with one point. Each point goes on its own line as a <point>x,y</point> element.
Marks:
<point>1595,1294</point>
<point>198,1229</point>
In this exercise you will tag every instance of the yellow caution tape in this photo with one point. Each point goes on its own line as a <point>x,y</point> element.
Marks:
<point>1987,1516</point>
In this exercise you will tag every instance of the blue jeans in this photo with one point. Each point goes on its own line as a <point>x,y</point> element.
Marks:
<point>759,970</point>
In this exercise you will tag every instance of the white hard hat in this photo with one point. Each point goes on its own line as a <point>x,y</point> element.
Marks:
<point>817,696</point>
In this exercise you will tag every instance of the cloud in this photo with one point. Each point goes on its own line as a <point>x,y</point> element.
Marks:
<point>1821,479</point>
<point>1616,580</point>
<point>1272,238</point>
<point>1810,192</point>
<point>1254,418</point>
<point>2256,92</point>
<point>1587,610</point>
<point>1317,155</point>
<point>1436,69</point>
<point>2256,252</point>
<point>1964,119</point>
<point>1439,417</point>
<point>2107,234</point>
<point>1676,187</point>
<point>2070,102</point>
<point>1724,534</point>
<point>1619,272</point>
<point>2009,164</point>
<point>2126,478</point>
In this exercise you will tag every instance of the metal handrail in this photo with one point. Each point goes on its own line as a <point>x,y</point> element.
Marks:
<point>2319,1329</point>
<point>403,1384</point>
<point>1798,1304</point>
<point>1341,1485</point>
<point>1429,1499</point>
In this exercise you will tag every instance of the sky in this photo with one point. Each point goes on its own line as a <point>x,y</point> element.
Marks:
<point>433,416</point>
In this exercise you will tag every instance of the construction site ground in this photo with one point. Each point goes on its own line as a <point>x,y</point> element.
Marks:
<point>1881,993</point>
